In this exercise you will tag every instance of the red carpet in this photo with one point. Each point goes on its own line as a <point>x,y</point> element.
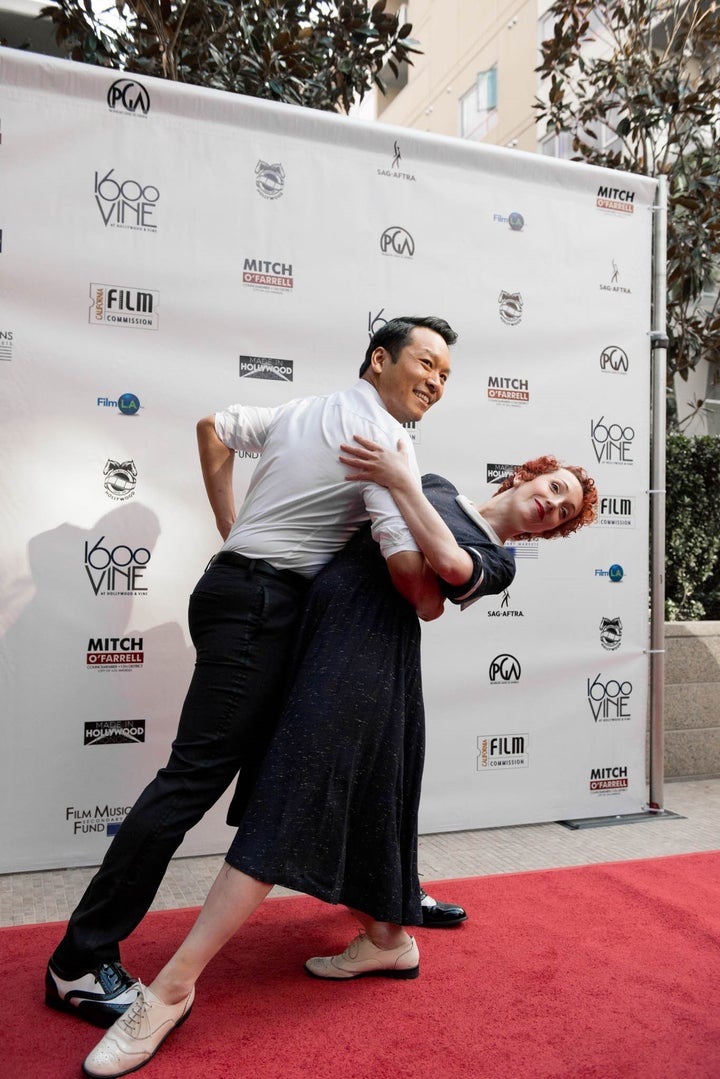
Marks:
<point>601,972</point>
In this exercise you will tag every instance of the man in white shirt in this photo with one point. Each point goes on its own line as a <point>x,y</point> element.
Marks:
<point>298,512</point>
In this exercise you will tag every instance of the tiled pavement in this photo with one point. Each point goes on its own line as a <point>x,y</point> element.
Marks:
<point>52,894</point>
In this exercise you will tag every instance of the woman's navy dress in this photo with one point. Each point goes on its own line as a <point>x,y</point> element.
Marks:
<point>333,812</point>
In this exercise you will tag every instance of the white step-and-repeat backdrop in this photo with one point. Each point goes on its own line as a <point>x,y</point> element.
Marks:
<point>168,251</point>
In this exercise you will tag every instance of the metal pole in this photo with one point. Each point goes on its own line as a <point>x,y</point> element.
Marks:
<point>659,343</point>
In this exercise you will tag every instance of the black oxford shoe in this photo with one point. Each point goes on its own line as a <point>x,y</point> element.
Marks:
<point>440,915</point>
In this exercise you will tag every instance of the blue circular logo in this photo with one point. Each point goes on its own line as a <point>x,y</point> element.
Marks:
<point>516,221</point>
<point>129,404</point>
<point>616,573</point>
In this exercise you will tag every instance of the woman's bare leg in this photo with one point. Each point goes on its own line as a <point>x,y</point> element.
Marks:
<point>385,935</point>
<point>232,899</point>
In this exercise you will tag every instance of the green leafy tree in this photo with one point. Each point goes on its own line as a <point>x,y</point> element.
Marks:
<point>692,572</point>
<point>637,85</point>
<point>305,52</point>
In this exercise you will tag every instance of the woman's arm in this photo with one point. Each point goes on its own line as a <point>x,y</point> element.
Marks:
<point>370,461</point>
<point>216,462</point>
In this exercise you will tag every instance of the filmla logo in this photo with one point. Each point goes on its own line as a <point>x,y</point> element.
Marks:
<point>98,819</point>
<point>121,305</point>
<point>121,653</point>
<point>127,204</point>
<point>612,442</point>
<point>514,220</point>
<point>504,669</point>
<point>118,571</point>
<point>502,751</point>
<point>610,779</point>
<point>511,307</point>
<point>398,242</point>
<point>266,367</point>
<point>610,633</point>
<point>270,179</point>
<point>614,360</point>
<point>120,479</point>
<point>615,574</point>
<point>127,95</point>
<point>609,701</point>
<point>127,404</point>
<point>113,732</point>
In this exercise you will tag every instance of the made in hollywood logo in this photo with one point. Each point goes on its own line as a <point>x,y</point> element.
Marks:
<point>123,306</point>
<point>126,204</point>
<point>270,179</point>
<point>107,732</point>
<point>266,367</point>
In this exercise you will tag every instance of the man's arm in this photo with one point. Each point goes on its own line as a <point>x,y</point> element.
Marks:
<point>216,462</point>
<point>417,582</point>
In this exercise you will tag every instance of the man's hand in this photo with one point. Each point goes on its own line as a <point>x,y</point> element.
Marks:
<point>369,461</point>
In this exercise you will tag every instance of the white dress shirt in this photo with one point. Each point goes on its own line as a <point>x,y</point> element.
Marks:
<point>299,509</point>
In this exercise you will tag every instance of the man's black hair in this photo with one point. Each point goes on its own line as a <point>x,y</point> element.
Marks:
<point>394,334</point>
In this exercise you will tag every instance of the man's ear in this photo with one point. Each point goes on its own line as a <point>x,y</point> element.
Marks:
<point>378,358</point>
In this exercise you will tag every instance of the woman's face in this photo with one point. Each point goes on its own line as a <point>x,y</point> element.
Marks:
<point>543,503</point>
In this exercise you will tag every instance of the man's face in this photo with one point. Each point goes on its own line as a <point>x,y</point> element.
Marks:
<point>414,383</point>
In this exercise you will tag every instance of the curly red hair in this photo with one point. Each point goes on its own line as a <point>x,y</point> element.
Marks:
<point>540,466</point>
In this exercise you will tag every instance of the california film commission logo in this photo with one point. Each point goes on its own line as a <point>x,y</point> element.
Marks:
<point>116,571</point>
<point>108,732</point>
<point>128,95</point>
<point>266,274</point>
<point>616,511</point>
<point>502,751</point>
<point>120,479</point>
<point>103,819</point>
<point>121,305</point>
<point>612,442</point>
<point>609,701</point>
<point>266,367</point>
<point>126,203</point>
<point>508,391</point>
<point>270,179</point>
<point>617,199</point>
<point>609,780</point>
<point>114,653</point>
<point>398,242</point>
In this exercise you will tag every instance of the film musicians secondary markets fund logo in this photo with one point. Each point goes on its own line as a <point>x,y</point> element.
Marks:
<point>107,732</point>
<point>508,391</point>
<point>128,95</point>
<point>114,653</point>
<point>120,479</point>
<point>266,367</point>
<point>270,179</point>
<point>267,275</point>
<point>504,670</point>
<point>617,199</point>
<point>612,442</point>
<point>101,819</point>
<point>609,701</point>
<point>398,242</point>
<point>127,203</point>
<point>6,344</point>
<point>116,571</point>
<point>510,307</point>
<point>502,751</point>
<point>120,305</point>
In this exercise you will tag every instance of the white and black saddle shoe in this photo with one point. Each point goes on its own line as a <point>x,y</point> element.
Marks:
<point>440,915</point>
<point>99,996</point>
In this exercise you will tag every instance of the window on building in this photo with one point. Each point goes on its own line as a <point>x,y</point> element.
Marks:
<point>478,107</point>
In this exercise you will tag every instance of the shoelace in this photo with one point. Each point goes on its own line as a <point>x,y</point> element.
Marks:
<point>115,976</point>
<point>132,1018</point>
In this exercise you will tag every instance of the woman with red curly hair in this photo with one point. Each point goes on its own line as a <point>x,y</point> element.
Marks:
<point>333,811</point>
